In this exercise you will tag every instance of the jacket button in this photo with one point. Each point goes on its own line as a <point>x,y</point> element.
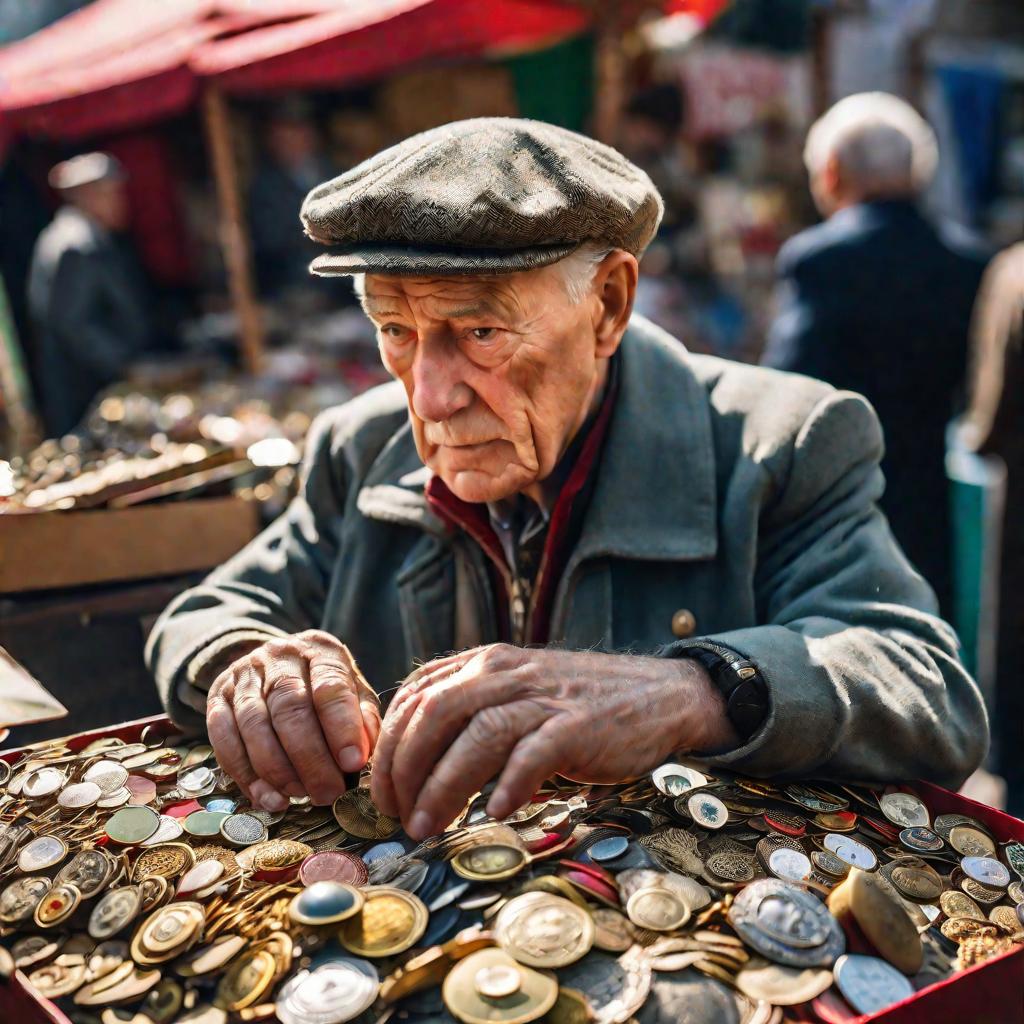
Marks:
<point>684,624</point>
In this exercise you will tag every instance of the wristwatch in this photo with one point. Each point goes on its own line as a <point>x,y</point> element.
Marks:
<point>739,681</point>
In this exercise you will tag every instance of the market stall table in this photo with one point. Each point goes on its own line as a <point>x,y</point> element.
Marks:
<point>136,876</point>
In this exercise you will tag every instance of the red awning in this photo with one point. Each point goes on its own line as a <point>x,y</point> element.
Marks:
<point>369,38</point>
<point>120,64</point>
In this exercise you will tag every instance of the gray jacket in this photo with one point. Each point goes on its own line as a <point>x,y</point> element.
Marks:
<point>745,495</point>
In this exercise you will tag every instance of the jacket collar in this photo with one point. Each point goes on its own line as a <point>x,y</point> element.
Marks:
<point>654,498</point>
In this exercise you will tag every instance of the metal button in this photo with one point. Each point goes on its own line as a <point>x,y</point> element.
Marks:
<point>684,624</point>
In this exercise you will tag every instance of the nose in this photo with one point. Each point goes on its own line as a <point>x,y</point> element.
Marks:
<point>439,390</point>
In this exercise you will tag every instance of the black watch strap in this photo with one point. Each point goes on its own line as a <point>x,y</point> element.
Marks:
<point>738,680</point>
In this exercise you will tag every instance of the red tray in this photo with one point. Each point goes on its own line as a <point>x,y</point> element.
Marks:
<point>991,993</point>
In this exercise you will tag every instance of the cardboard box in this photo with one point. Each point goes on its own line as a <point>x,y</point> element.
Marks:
<point>46,550</point>
<point>991,993</point>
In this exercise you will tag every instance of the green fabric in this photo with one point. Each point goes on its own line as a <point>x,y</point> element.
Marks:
<point>743,494</point>
<point>556,85</point>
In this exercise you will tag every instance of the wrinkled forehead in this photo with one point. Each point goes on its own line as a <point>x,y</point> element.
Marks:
<point>454,296</point>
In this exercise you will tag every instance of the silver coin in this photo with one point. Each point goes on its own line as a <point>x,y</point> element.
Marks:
<point>849,851</point>
<point>332,993</point>
<point>110,776</point>
<point>243,829</point>
<point>786,924</point>
<point>707,810</point>
<point>79,795</point>
<point>42,853</point>
<point>167,830</point>
<point>869,984</point>
<point>118,798</point>
<point>676,779</point>
<point>42,782</point>
<point>905,810</point>
<point>987,871</point>
<point>790,865</point>
<point>196,781</point>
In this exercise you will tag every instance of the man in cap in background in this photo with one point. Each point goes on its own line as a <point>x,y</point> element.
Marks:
<point>87,297</point>
<point>634,552</point>
<point>878,300</point>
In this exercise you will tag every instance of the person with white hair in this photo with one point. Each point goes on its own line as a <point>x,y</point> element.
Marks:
<point>877,299</point>
<point>87,297</point>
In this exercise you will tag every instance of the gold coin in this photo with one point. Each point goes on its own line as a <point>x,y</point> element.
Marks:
<point>959,904</point>
<point>357,814</point>
<point>168,932</point>
<point>246,981</point>
<point>465,988</point>
<point>571,1007</point>
<point>275,855</point>
<point>970,842</point>
<point>882,919</point>
<point>1005,917</point>
<point>782,986</point>
<point>167,860</point>
<point>59,979</point>
<point>136,984</point>
<point>152,891</point>
<point>916,883</point>
<point>492,862</point>
<point>540,930</point>
<point>960,928</point>
<point>390,922</point>
<point>657,908</point>
<point>57,905</point>
<point>213,957</point>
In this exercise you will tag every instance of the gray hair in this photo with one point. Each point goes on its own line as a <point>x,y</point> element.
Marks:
<point>883,146</point>
<point>577,270</point>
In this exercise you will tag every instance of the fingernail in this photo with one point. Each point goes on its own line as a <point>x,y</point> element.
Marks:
<point>267,797</point>
<point>419,825</point>
<point>350,759</point>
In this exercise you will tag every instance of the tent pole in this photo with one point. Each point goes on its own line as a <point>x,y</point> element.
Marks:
<point>609,74</point>
<point>234,234</point>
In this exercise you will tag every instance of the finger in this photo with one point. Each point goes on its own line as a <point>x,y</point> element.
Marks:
<point>225,738</point>
<point>393,725</point>
<point>268,759</point>
<point>370,711</point>
<point>289,700</point>
<point>428,675</point>
<point>336,704</point>
<point>442,713</point>
<point>536,757</point>
<point>477,756</point>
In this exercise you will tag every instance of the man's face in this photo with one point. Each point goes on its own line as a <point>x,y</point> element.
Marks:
<point>499,372</point>
<point>105,201</point>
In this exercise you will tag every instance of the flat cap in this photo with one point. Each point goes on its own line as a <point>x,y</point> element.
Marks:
<point>489,195</point>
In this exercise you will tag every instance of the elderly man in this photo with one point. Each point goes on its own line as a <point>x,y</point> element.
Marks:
<point>878,301</point>
<point>632,552</point>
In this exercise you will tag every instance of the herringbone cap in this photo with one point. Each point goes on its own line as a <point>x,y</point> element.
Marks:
<point>488,195</point>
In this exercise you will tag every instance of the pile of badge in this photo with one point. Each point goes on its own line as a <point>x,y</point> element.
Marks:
<point>138,887</point>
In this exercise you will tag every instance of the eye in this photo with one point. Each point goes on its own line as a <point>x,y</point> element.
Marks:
<point>395,332</point>
<point>484,333</point>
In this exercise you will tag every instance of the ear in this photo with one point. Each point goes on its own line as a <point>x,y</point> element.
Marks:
<point>832,176</point>
<point>614,289</point>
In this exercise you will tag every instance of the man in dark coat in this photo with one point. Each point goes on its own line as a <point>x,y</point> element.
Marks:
<point>878,300</point>
<point>87,297</point>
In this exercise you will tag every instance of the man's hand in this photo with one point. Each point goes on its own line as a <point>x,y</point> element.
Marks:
<point>525,714</point>
<point>290,716</point>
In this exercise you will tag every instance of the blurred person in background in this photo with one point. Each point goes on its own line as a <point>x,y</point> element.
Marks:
<point>878,300</point>
<point>87,296</point>
<point>294,161</point>
<point>994,425</point>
